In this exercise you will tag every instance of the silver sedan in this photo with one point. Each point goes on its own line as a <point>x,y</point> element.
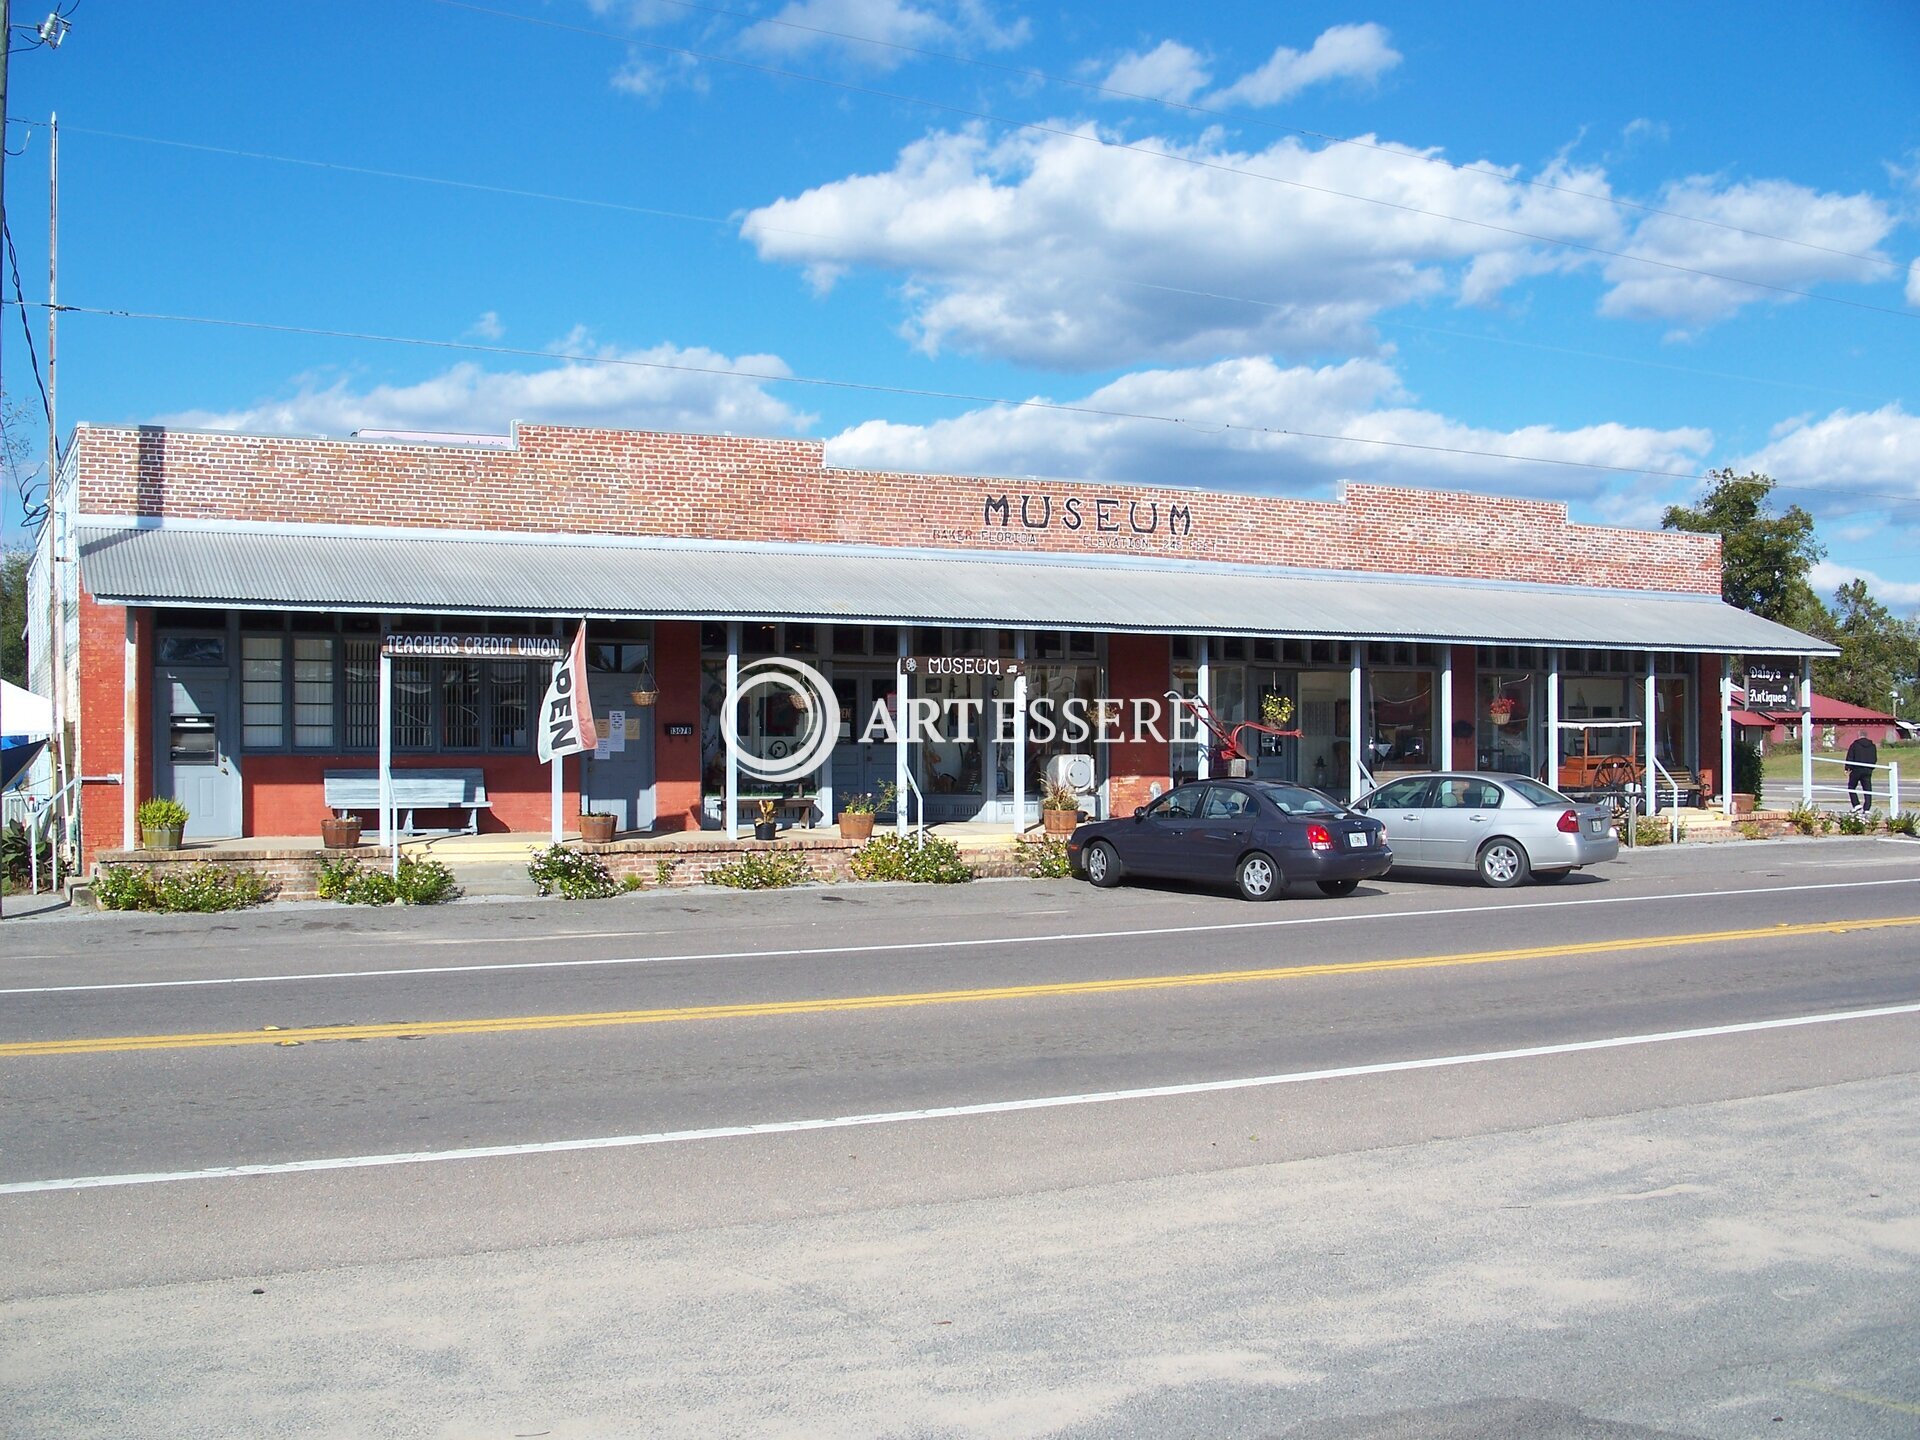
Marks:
<point>1501,827</point>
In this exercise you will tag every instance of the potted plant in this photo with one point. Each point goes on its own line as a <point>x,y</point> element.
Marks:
<point>767,814</point>
<point>856,816</point>
<point>1059,808</point>
<point>1500,710</point>
<point>160,820</point>
<point>340,832</point>
<point>596,826</point>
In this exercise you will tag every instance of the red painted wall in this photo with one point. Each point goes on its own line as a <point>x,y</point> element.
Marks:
<point>1138,666</point>
<point>284,794</point>
<point>676,662</point>
<point>1463,750</point>
<point>103,668</point>
<point>1709,701</point>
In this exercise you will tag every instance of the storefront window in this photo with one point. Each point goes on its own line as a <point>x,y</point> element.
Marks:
<point>361,667</point>
<point>313,691</point>
<point>263,703</point>
<point>412,705</point>
<point>1502,720</point>
<point>1400,721</point>
<point>507,712</point>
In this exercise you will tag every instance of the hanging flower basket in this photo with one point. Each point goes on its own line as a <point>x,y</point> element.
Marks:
<point>1500,711</point>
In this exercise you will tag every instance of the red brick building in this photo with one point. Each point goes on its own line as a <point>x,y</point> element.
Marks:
<point>225,599</point>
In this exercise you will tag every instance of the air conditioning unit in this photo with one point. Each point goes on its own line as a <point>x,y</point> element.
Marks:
<point>1073,770</point>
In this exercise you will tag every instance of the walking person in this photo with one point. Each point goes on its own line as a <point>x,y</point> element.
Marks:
<point>1862,756</point>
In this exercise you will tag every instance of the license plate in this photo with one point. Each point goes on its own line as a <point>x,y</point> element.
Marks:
<point>1357,839</point>
<point>1596,826</point>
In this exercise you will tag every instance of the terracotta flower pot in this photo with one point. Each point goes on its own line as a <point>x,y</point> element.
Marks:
<point>1060,822</point>
<point>596,829</point>
<point>856,827</point>
<point>1742,803</point>
<point>340,834</point>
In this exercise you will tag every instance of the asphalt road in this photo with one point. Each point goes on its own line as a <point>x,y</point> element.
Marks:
<point>1009,1158</point>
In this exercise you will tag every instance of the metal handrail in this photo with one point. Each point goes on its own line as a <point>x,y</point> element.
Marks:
<point>920,826</point>
<point>38,822</point>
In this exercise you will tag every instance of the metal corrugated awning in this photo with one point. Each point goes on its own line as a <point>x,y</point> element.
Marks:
<point>212,563</point>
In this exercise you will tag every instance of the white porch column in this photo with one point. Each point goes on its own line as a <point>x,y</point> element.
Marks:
<point>900,730</point>
<point>1726,734</point>
<point>730,801</point>
<point>1205,737</point>
<point>1651,780</point>
<point>1356,726</point>
<point>386,745</point>
<point>1806,730</point>
<point>129,737</point>
<point>823,792</point>
<point>1444,758</point>
<point>1552,780</point>
<point>1020,735</point>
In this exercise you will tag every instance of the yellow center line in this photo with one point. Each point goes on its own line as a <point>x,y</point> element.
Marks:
<point>765,1009</point>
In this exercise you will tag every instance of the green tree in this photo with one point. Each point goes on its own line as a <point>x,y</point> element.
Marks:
<point>1764,558</point>
<point>13,616</point>
<point>1879,652</point>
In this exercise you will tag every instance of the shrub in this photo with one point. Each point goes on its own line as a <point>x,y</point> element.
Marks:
<point>630,883</point>
<point>200,889</point>
<point>663,872</point>
<point>419,882</point>
<point>1747,770</point>
<point>1806,819</point>
<point>1905,822</point>
<point>1750,830</point>
<point>1044,859</point>
<point>16,853</point>
<point>574,874</point>
<point>1852,824</point>
<point>160,813</point>
<point>923,859</point>
<point>757,870</point>
<point>1650,830</point>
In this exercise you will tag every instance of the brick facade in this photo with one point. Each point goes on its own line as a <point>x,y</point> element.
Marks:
<point>616,482</point>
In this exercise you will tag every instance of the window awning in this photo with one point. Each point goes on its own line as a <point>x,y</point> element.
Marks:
<point>254,566</point>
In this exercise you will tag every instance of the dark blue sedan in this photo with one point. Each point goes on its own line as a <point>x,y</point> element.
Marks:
<point>1255,834</point>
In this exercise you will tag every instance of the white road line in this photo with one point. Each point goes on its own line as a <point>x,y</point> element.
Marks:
<point>901,946</point>
<point>944,1112</point>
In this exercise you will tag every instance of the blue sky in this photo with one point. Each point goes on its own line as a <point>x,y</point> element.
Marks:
<point>1259,239</point>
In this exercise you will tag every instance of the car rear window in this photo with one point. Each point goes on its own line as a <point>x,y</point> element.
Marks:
<point>1533,791</point>
<point>1298,800</point>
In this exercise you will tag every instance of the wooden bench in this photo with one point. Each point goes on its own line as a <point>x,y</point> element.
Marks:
<point>793,809</point>
<point>412,790</point>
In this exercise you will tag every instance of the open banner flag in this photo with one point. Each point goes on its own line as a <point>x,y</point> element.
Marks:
<point>566,715</point>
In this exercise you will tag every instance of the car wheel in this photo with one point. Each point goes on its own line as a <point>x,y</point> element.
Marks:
<point>1103,866</point>
<point>1551,877</point>
<point>1503,863</point>
<point>1338,888</point>
<point>1258,877</point>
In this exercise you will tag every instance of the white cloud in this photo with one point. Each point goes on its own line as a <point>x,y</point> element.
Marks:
<point>467,398</point>
<point>647,76</point>
<point>1053,250</point>
<point>1637,133</point>
<point>1343,52</point>
<point>826,25</point>
<point>1169,71</point>
<point>1234,412</point>
<point>1868,450</point>
<point>1898,595</point>
<point>487,327</point>
<point>1852,224</point>
<point>1913,283</point>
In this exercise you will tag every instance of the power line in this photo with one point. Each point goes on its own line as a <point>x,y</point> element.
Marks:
<point>822,382</point>
<point>729,223</point>
<point>1212,112</point>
